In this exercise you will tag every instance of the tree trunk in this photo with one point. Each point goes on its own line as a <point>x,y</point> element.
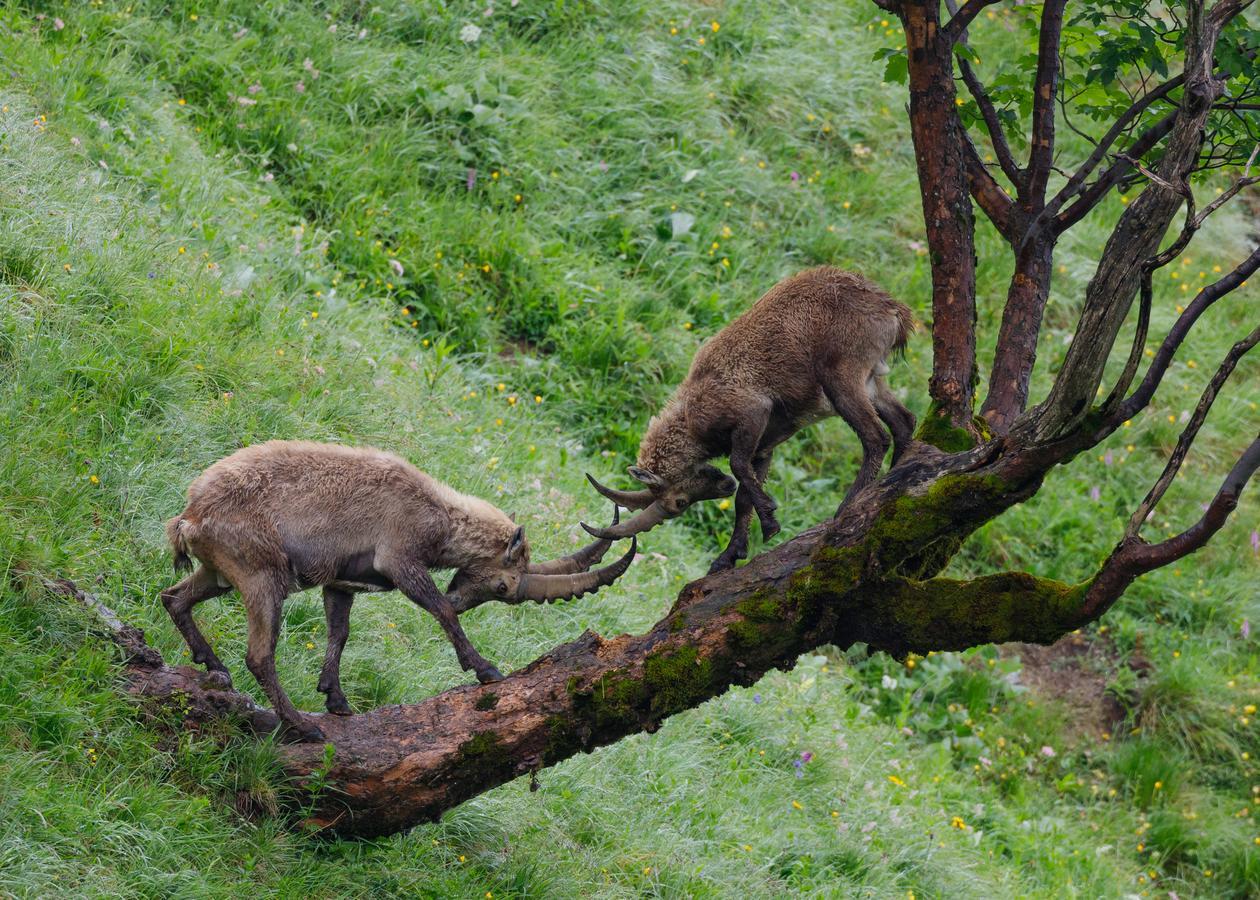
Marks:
<point>947,214</point>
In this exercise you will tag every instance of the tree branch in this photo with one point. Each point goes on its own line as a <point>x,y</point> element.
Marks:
<point>1138,400</point>
<point>1045,89</point>
<point>997,137</point>
<point>871,575</point>
<point>956,29</point>
<point>1134,557</point>
<point>868,576</point>
<point>1129,372</point>
<point>1190,432</point>
<point>987,193</point>
<point>1092,195</point>
<point>1121,125</point>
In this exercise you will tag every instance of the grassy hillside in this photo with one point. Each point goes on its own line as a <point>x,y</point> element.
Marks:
<point>226,222</point>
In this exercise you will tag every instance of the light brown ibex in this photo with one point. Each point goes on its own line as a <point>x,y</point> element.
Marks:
<point>815,345</point>
<point>283,516</point>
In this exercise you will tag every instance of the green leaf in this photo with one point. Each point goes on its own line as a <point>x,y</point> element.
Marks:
<point>898,69</point>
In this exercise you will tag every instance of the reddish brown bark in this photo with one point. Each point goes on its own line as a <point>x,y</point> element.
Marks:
<point>1017,339</point>
<point>938,139</point>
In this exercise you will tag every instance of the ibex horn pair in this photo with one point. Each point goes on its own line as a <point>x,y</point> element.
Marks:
<point>542,588</point>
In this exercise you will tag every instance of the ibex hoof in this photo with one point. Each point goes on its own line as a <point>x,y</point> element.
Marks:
<point>769,528</point>
<point>721,564</point>
<point>216,678</point>
<point>489,674</point>
<point>303,733</point>
<point>339,707</point>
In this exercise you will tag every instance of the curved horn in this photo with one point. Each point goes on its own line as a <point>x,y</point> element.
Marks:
<point>628,499</point>
<point>637,524</point>
<point>545,588</point>
<point>581,560</point>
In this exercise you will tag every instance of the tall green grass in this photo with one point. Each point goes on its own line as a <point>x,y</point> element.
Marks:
<point>182,272</point>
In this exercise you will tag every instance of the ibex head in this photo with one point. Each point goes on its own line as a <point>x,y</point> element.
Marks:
<point>509,577</point>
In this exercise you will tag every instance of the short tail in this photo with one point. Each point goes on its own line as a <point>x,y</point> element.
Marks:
<point>906,325</point>
<point>179,547</point>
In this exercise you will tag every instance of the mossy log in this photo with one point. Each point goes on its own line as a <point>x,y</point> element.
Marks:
<point>867,576</point>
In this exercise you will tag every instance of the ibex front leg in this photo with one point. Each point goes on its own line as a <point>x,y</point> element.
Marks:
<point>414,580</point>
<point>737,549</point>
<point>745,439</point>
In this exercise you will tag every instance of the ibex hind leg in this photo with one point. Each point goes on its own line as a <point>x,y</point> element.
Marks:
<point>900,421</point>
<point>179,601</point>
<point>337,605</point>
<point>263,596</point>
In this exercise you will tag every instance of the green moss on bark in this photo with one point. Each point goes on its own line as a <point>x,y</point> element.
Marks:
<point>678,679</point>
<point>482,757</point>
<point>938,430</point>
<point>948,614</point>
<point>564,739</point>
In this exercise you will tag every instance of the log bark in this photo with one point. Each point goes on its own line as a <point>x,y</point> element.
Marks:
<point>868,576</point>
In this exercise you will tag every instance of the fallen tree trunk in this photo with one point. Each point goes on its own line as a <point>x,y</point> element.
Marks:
<point>864,577</point>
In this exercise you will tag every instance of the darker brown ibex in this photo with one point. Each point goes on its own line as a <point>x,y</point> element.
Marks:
<point>815,345</point>
<point>283,516</point>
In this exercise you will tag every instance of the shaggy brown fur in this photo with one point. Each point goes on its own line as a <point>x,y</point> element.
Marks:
<point>287,515</point>
<point>815,345</point>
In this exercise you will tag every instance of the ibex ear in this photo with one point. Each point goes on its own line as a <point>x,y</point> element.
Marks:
<point>515,545</point>
<point>651,479</point>
<point>512,516</point>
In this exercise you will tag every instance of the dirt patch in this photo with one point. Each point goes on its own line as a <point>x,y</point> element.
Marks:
<point>1075,670</point>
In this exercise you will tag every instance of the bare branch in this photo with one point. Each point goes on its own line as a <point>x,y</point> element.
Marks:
<point>1001,147</point>
<point>956,29</point>
<point>1045,89</point>
<point>1191,431</point>
<point>1121,125</point>
<point>1092,195</point>
<point>1075,183</point>
<point>1135,351</point>
<point>1138,400</point>
<point>1134,557</point>
<point>1193,223</point>
<point>988,194</point>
